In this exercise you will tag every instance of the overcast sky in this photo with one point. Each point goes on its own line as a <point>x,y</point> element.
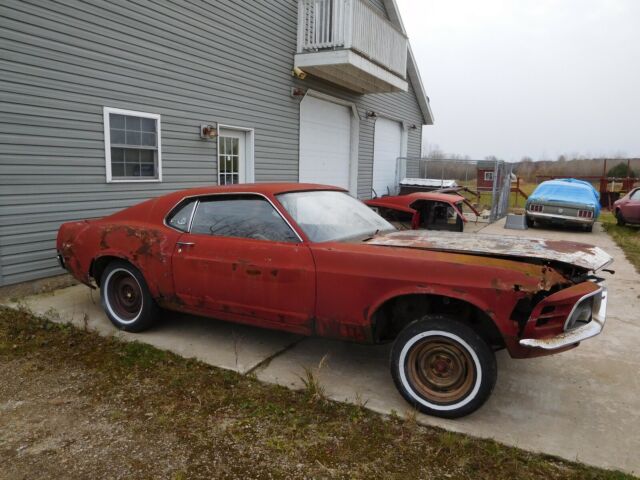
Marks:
<point>529,77</point>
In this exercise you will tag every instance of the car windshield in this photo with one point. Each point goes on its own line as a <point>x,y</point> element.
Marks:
<point>329,215</point>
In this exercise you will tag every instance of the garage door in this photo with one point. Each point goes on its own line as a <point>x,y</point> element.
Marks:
<point>386,150</point>
<point>325,142</point>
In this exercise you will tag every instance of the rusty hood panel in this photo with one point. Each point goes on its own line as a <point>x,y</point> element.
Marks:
<point>578,254</point>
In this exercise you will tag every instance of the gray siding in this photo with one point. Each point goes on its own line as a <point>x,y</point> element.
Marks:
<point>63,61</point>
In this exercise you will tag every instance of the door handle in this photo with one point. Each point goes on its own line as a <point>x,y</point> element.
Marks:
<point>181,245</point>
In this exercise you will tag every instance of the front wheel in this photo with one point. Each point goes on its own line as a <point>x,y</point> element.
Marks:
<point>620,218</point>
<point>126,298</point>
<point>443,367</point>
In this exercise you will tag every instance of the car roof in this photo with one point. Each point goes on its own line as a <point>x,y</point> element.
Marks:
<point>259,188</point>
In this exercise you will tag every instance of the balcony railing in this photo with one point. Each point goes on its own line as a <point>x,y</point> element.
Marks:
<point>353,25</point>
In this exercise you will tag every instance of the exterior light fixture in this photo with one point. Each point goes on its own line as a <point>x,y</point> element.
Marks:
<point>208,132</point>
<point>371,114</point>
<point>297,92</point>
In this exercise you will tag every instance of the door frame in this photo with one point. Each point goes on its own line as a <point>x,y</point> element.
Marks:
<point>249,151</point>
<point>354,135</point>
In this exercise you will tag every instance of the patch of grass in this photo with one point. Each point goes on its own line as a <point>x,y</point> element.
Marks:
<point>627,237</point>
<point>233,426</point>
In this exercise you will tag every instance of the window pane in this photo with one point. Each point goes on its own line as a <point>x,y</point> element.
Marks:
<point>117,169</point>
<point>148,125</point>
<point>132,169</point>
<point>131,155</point>
<point>117,137</point>
<point>147,156</point>
<point>234,145</point>
<point>117,155</point>
<point>180,217</point>
<point>147,170</point>
<point>149,139</point>
<point>132,123</point>
<point>116,121</point>
<point>133,138</point>
<point>241,216</point>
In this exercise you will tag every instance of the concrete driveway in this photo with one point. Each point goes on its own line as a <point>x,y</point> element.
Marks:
<point>581,405</point>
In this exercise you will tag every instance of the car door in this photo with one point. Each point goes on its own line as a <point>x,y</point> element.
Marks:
<point>241,261</point>
<point>631,208</point>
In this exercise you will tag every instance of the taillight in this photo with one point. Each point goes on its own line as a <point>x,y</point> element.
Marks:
<point>585,214</point>
<point>534,207</point>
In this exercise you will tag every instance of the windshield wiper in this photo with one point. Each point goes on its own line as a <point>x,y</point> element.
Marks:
<point>372,236</point>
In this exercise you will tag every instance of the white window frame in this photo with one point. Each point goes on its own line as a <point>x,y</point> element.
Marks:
<point>107,144</point>
<point>490,175</point>
<point>248,175</point>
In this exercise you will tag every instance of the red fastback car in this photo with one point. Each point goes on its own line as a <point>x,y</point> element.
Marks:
<point>312,260</point>
<point>627,209</point>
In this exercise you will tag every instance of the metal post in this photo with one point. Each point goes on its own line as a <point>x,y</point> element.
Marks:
<point>494,204</point>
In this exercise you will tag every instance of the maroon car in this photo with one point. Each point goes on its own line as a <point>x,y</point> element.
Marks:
<point>311,260</point>
<point>627,209</point>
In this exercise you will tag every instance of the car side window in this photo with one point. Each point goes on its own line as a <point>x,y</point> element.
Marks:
<point>179,218</point>
<point>635,195</point>
<point>243,216</point>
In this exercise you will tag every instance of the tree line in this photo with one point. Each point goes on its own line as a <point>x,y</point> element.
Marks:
<point>460,167</point>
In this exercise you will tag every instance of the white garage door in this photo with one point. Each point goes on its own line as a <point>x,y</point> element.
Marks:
<point>325,142</point>
<point>387,148</point>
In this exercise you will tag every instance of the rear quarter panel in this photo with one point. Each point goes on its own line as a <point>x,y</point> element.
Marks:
<point>136,235</point>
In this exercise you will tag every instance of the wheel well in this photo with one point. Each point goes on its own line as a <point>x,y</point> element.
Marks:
<point>99,264</point>
<point>396,313</point>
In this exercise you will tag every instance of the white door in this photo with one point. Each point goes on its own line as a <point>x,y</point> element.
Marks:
<point>232,157</point>
<point>325,142</point>
<point>387,148</point>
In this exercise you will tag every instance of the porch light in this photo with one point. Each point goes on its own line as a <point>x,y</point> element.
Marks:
<point>208,132</point>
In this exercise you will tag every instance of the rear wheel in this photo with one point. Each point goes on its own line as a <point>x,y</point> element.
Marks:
<point>443,367</point>
<point>125,297</point>
<point>588,228</point>
<point>530,221</point>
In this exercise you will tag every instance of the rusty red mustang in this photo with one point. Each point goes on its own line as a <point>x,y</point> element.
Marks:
<point>312,260</point>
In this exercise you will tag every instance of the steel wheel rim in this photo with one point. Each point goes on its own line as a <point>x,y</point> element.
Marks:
<point>124,295</point>
<point>440,370</point>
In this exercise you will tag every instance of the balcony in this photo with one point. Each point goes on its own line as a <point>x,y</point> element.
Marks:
<point>349,43</point>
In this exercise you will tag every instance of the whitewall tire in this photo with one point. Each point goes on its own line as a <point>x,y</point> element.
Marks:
<point>443,367</point>
<point>125,297</point>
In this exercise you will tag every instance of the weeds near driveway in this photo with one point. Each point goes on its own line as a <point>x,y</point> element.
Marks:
<point>627,237</point>
<point>77,405</point>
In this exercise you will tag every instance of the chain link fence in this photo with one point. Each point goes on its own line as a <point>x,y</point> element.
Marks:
<point>485,182</point>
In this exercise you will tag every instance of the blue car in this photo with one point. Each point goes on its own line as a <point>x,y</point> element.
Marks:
<point>564,202</point>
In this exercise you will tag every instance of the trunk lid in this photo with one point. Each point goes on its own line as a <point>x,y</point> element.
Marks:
<point>580,255</point>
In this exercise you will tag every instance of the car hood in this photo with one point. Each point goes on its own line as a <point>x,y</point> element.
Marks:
<point>516,248</point>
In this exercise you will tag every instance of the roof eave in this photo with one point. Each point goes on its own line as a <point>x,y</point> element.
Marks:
<point>412,68</point>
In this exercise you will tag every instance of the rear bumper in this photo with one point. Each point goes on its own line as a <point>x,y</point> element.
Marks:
<point>575,335</point>
<point>554,217</point>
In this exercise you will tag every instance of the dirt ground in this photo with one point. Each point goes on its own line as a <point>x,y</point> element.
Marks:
<point>75,405</point>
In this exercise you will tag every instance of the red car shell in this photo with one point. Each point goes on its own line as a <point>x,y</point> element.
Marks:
<point>627,209</point>
<point>346,290</point>
<point>411,204</point>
